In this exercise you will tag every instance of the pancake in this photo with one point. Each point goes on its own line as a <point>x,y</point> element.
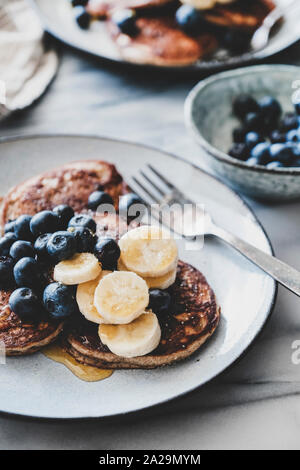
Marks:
<point>102,8</point>
<point>193,320</point>
<point>69,184</point>
<point>159,41</point>
<point>243,14</point>
<point>20,337</point>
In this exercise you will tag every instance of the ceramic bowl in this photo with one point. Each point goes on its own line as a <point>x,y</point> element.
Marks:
<point>209,116</point>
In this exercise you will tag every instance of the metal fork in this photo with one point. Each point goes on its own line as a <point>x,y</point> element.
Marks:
<point>155,189</point>
<point>261,36</point>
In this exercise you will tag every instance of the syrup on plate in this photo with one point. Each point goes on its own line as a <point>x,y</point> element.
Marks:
<point>88,373</point>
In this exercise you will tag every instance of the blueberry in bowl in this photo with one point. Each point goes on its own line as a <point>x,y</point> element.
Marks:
<point>224,112</point>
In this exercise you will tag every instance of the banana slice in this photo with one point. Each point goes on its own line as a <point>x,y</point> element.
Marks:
<point>85,299</point>
<point>149,251</point>
<point>138,338</point>
<point>161,282</point>
<point>82,267</point>
<point>121,297</point>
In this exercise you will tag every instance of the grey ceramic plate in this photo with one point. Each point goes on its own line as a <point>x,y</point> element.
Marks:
<point>36,386</point>
<point>58,20</point>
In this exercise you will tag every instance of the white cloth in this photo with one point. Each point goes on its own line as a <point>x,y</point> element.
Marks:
<point>26,67</point>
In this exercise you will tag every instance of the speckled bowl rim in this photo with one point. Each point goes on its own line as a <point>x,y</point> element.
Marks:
<point>210,149</point>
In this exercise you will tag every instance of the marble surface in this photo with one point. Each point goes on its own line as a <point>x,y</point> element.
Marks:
<point>254,404</point>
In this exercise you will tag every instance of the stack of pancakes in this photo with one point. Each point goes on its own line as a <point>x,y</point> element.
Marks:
<point>160,41</point>
<point>195,314</point>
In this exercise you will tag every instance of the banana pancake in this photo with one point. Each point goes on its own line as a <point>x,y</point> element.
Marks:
<point>102,8</point>
<point>69,184</point>
<point>193,320</point>
<point>159,41</point>
<point>242,14</point>
<point>21,337</point>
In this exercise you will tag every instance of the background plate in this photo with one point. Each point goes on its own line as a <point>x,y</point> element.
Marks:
<point>36,386</point>
<point>58,20</point>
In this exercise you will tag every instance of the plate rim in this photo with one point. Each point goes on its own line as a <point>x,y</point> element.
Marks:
<point>235,194</point>
<point>245,59</point>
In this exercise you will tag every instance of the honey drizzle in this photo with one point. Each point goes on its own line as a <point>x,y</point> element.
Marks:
<point>87,373</point>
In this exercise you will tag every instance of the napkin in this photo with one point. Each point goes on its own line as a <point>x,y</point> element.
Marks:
<point>26,66</point>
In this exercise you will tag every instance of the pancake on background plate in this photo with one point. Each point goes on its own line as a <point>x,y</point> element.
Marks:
<point>159,41</point>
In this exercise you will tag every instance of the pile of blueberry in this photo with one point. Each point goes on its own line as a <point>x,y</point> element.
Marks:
<point>266,136</point>
<point>31,246</point>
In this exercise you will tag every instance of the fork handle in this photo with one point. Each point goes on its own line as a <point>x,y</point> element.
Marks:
<point>278,13</point>
<point>282,272</point>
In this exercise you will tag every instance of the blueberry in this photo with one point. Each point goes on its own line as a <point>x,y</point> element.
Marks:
<point>288,122</point>
<point>126,21</point>
<point>261,152</point>
<point>27,273</point>
<point>82,17</point>
<point>131,206</point>
<point>282,153</point>
<point>236,41</point>
<point>274,165</point>
<point>296,163</point>
<point>76,3</point>
<point>297,108</point>
<point>9,226</point>
<point>97,198</point>
<point>159,301</point>
<point>40,247</point>
<point>277,137</point>
<point>21,249</point>
<point>270,108</point>
<point>44,222</point>
<point>65,214</point>
<point>85,239</point>
<point>252,139</point>
<point>244,104</point>
<point>252,161</point>
<point>22,227</point>
<point>83,220</point>
<point>107,251</point>
<point>239,151</point>
<point>293,135</point>
<point>59,300</point>
<point>61,245</point>
<point>253,122</point>
<point>6,272</point>
<point>189,19</point>
<point>6,242</point>
<point>238,135</point>
<point>24,303</point>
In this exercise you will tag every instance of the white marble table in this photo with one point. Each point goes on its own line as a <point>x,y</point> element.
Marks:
<point>256,403</point>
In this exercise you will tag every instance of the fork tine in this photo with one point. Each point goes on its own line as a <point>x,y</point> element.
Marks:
<point>162,193</point>
<point>146,190</point>
<point>161,177</point>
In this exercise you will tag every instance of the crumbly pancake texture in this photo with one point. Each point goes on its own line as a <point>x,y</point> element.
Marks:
<point>244,14</point>
<point>69,184</point>
<point>194,319</point>
<point>159,41</point>
<point>21,338</point>
<point>102,8</point>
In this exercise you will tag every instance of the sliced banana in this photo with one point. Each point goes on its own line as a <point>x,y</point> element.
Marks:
<point>82,267</point>
<point>149,251</point>
<point>161,282</point>
<point>121,297</point>
<point>85,299</point>
<point>138,338</point>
